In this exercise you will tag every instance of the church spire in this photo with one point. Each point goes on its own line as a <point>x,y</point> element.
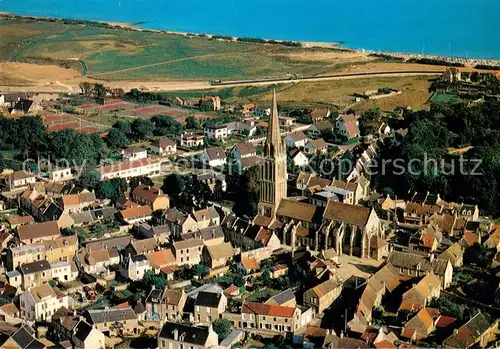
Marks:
<point>273,131</point>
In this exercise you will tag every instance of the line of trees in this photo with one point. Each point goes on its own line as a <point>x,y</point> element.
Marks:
<point>430,134</point>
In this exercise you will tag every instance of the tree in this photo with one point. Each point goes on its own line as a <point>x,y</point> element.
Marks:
<point>245,190</point>
<point>174,184</point>
<point>222,327</point>
<point>166,125</point>
<point>192,123</point>
<point>87,88</point>
<point>99,92</point>
<point>478,255</point>
<point>112,189</point>
<point>116,139</point>
<point>159,281</point>
<point>142,129</point>
<point>200,270</point>
<point>88,179</point>
<point>136,181</point>
<point>80,148</point>
<point>123,126</point>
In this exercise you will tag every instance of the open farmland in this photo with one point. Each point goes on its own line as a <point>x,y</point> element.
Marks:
<point>119,54</point>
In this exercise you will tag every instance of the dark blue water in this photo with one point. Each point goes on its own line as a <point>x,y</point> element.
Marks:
<point>464,28</point>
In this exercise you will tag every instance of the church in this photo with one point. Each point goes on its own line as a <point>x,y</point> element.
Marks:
<point>348,229</point>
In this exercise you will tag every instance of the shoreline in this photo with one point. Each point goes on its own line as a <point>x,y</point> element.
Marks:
<point>132,26</point>
<point>337,45</point>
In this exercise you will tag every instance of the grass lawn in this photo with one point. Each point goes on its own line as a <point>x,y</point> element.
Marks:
<point>117,54</point>
<point>261,295</point>
<point>329,93</point>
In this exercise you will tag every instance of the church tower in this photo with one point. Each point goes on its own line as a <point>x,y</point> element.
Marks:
<point>272,168</point>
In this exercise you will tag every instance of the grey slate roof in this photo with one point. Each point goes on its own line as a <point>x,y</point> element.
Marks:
<point>190,334</point>
<point>35,267</point>
<point>109,315</point>
<point>208,299</point>
<point>82,330</point>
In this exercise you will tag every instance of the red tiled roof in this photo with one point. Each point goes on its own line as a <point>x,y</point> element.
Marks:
<point>385,344</point>
<point>267,309</point>
<point>445,321</point>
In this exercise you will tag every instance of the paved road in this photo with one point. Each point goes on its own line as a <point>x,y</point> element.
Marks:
<point>205,85</point>
<point>263,82</point>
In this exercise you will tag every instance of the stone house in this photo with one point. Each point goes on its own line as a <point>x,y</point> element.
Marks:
<point>38,232</point>
<point>475,331</point>
<point>179,222</point>
<point>454,254</point>
<point>36,274</point>
<point>422,293</point>
<point>415,265</point>
<point>180,336</point>
<point>133,215</point>
<point>420,326</point>
<point>150,196</point>
<point>165,304</point>
<point>41,302</point>
<point>122,321</point>
<point>188,252</point>
<point>323,295</point>
<point>272,318</point>
<point>209,306</point>
<point>218,255</point>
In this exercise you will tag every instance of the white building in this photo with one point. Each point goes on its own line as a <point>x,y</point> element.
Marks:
<point>243,150</point>
<point>191,139</point>
<point>298,158</point>
<point>19,179</point>
<point>136,266</point>
<point>40,303</point>
<point>60,174</point>
<point>214,157</point>
<point>134,153</point>
<point>64,271</point>
<point>129,169</point>
<point>296,139</point>
<point>217,132</point>
<point>347,126</point>
<point>163,146</point>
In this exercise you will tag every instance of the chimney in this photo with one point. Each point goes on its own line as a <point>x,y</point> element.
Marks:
<point>176,334</point>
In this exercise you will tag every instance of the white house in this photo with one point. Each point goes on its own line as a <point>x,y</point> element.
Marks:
<point>134,153</point>
<point>64,271</point>
<point>19,179</point>
<point>216,132</point>
<point>297,158</point>
<point>191,139</point>
<point>347,126</point>
<point>163,146</point>
<point>60,174</point>
<point>316,146</point>
<point>243,150</point>
<point>242,128</point>
<point>214,157</point>
<point>296,139</point>
<point>40,303</point>
<point>129,169</point>
<point>136,266</point>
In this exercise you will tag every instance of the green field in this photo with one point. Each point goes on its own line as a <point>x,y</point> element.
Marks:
<point>120,54</point>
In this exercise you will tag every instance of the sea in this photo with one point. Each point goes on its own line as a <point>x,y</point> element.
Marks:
<point>461,28</point>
